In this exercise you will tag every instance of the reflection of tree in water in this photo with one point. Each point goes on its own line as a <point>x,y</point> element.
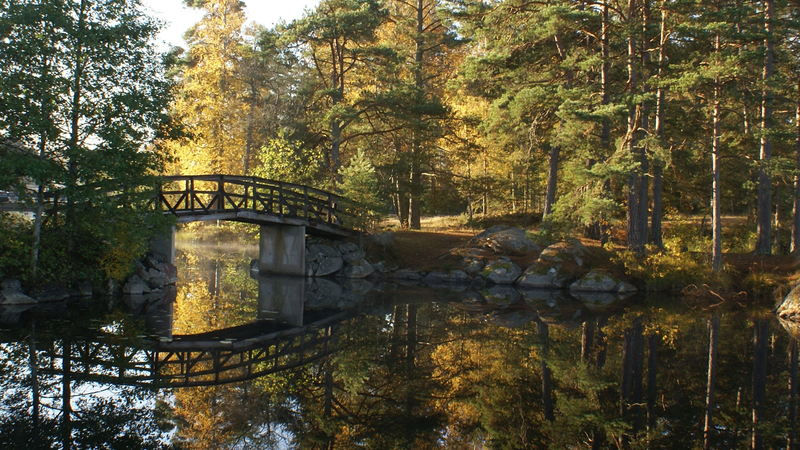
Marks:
<point>48,402</point>
<point>427,375</point>
<point>213,290</point>
<point>431,374</point>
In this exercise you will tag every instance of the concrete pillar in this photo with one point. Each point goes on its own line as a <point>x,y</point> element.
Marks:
<point>282,250</point>
<point>163,247</point>
<point>281,298</point>
<point>158,318</point>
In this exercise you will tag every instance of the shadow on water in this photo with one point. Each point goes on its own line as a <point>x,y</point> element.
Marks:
<point>233,360</point>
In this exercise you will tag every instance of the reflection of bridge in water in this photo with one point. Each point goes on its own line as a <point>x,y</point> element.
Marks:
<point>284,338</point>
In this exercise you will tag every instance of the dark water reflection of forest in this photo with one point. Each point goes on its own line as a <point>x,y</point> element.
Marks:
<point>402,367</point>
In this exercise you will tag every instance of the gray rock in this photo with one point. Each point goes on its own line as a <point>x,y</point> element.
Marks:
<point>329,266</point>
<point>254,266</point>
<point>322,293</point>
<point>11,285</point>
<point>562,251</point>
<point>11,294</point>
<point>347,247</point>
<point>50,293</point>
<point>85,288</point>
<point>135,286</point>
<point>311,268</point>
<point>501,272</point>
<point>515,238</point>
<point>501,295</point>
<point>472,264</point>
<point>443,278</point>
<point>357,286</point>
<point>358,269</point>
<point>319,251</point>
<point>383,267</point>
<point>789,309</point>
<point>490,231</point>
<point>597,300</point>
<point>353,256</point>
<point>542,276</point>
<point>134,301</point>
<point>624,288</point>
<point>599,281</point>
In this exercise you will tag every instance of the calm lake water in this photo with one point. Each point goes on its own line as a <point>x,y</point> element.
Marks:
<point>229,360</point>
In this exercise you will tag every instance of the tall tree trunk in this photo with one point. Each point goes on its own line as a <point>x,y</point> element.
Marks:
<point>66,395</point>
<point>555,150</point>
<point>33,362</point>
<point>656,234</point>
<point>416,151</point>
<point>713,339</point>
<point>652,372</point>
<point>792,439</point>
<point>634,239</point>
<point>716,220</point>
<point>602,344</point>
<point>250,125</point>
<point>764,215</point>
<point>760,343</point>
<point>74,128</point>
<point>796,199</point>
<point>587,340</point>
<point>547,383</point>
<point>644,130</point>
<point>552,179</point>
<point>605,131</point>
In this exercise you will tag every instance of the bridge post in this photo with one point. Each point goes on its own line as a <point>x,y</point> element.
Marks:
<point>163,247</point>
<point>281,299</point>
<point>282,249</point>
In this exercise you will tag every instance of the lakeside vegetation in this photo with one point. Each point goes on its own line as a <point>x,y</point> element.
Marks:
<point>603,120</point>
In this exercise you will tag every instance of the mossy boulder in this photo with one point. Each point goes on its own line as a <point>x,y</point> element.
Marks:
<point>571,250</point>
<point>502,271</point>
<point>789,309</point>
<point>501,238</point>
<point>540,275</point>
<point>600,281</point>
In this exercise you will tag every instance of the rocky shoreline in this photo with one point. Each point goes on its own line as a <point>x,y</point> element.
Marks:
<point>484,262</point>
<point>485,269</point>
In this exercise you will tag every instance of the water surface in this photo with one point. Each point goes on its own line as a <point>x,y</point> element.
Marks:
<point>229,360</point>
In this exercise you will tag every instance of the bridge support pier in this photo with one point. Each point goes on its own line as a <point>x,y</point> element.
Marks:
<point>282,250</point>
<point>281,299</point>
<point>163,247</point>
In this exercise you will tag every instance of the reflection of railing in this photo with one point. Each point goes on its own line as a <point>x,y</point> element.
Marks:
<point>196,195</point>
<point>192,362</point>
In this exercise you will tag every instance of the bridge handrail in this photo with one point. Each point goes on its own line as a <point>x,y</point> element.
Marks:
<point>256,194</point>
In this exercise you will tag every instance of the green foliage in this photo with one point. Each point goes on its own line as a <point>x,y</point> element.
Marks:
<point>82,98</point>
<point>284,160</point>
<point>16,243</point>
<point>360,186</point>
<point>682,262</point>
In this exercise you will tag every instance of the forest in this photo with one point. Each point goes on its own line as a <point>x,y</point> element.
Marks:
<point>604,118</point>
<point>600,115</point>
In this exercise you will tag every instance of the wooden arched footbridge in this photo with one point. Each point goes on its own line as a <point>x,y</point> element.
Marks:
<point>251,199</point>
<point>193,198</point>
<point>285,212</point>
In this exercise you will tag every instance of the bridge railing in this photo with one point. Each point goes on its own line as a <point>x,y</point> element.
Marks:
<point>211,194</point>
